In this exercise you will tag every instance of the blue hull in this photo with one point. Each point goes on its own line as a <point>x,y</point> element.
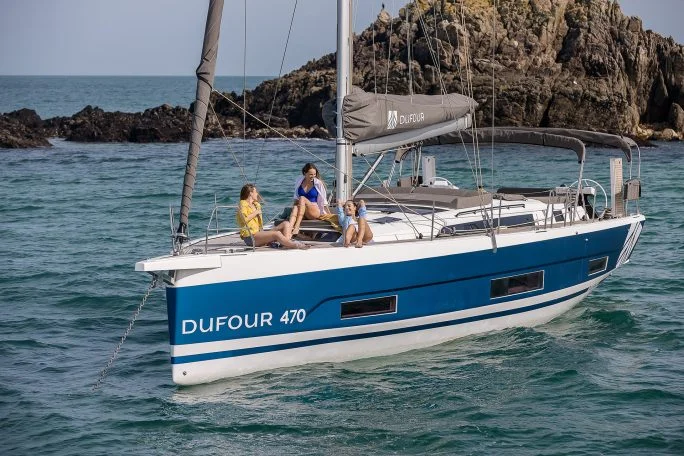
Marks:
<point>301,303</point>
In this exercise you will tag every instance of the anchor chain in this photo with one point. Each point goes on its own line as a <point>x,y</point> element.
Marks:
<point>103,374</point>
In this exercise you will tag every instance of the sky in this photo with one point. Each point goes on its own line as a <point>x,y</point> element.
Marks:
<point>164,37</point>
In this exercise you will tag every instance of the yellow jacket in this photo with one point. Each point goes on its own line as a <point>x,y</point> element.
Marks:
<point>254,225</point>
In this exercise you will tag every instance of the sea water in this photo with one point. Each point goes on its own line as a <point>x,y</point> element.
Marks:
<point>52,96</point>
<point>607,377</point>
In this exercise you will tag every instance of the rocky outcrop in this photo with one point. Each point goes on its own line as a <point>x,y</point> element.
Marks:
<point>561,63</point>
<point>549,63</point>
<point>162,124</point>
<point>22,129</point>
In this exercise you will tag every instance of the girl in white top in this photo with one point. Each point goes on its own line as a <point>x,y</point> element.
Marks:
<point>354,231</point>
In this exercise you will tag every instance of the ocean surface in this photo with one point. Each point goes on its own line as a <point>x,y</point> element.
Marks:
<point>607,377</point>
<point>52,96</point>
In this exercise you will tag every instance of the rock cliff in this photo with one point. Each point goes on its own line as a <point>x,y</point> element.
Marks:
<point>560,63</point>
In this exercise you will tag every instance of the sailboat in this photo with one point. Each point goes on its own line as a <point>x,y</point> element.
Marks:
<point>446,262</point>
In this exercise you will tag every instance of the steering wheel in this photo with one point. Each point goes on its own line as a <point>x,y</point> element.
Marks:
<point>592,183</point>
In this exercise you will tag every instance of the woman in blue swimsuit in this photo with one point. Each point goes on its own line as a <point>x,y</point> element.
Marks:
<point>310,197</point>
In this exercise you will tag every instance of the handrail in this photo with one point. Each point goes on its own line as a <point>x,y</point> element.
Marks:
<point>215,216</point>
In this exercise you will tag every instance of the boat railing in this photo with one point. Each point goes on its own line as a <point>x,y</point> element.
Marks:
<point>568,201</point>
<point>214,227</point>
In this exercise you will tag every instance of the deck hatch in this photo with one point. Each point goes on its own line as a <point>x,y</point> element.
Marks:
<point>368,307</point>
<point>522,283</point>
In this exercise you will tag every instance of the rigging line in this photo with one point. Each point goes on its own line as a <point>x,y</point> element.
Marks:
<point>244,88</point>
<point>467,86</point>
<point>408,49</point>
<point>375,173</point>
<point>468,71</point>
<point>375,72</point>
<point>225,137</point>
<point>277,88</point>
<point>433,53</point>
<point>493,91</point>
<point>389,50</point>
<point>402,208</point>
<point>460,75</point>
<point>457,47</point>
<point>469,91</point>
<point>478,160</point>
<point>465,149</point>
<point>355,21</point>
<point>322,160</point>
<point>439,62</point>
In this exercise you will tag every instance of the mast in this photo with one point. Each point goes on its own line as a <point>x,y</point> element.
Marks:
<point>343,148</point>
<point>205,82</point>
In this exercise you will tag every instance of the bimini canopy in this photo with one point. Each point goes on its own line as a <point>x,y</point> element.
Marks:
<point>383,122</point>
<point>552,137</point>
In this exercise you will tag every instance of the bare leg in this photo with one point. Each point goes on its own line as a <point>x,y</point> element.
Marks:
<point>365,233</point>
<point>293,213</point>
<point>301,210</point>
<point>265,237</point>
<point>362,232</point>
<point>312,211</point>
<point>285,228</point>
<point>349,235</point>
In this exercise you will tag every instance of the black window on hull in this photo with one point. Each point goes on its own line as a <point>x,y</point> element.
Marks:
<point>598,265</point>
<point>368,307</point>
<point>522,283</point>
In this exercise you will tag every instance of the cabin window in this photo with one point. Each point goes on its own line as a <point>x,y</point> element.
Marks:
<point>517,284</point>
<point>368,307</point>
<point>598,265</point>
<point>558,216</point>
<point>513,221</point>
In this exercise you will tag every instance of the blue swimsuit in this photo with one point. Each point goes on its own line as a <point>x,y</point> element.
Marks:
<point>311,195</point>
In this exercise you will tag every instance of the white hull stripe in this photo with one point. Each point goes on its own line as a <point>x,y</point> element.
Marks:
<point>328,340</point>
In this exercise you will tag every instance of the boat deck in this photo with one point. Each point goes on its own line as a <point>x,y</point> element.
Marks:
<point>418,214</point>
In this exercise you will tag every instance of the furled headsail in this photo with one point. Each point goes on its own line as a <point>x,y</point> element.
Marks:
<point>376,122</point>
<point>205,81</point>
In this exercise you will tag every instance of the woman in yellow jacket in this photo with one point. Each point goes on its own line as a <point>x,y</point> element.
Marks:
<point>251,223</point>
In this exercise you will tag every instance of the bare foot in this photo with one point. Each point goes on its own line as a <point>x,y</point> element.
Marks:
<point>346,244</point>
<point>302,246</point>
<point>359,245</point>
<point>295,232</point>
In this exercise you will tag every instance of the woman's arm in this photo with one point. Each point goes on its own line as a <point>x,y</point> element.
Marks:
<point>247,216</point>
<point>362,208</point>
<point>252,215</point>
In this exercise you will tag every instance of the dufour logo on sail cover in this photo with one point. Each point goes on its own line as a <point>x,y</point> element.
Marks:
<point>394,119</point>
<point>391,120</point>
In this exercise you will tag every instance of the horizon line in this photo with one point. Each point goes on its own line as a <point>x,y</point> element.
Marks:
<point>137,75</point>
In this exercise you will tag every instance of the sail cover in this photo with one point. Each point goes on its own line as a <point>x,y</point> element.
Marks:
<point>367,116</point>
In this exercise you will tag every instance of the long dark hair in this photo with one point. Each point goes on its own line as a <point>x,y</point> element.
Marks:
<point>310,166</point>
<point>246,190</point>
